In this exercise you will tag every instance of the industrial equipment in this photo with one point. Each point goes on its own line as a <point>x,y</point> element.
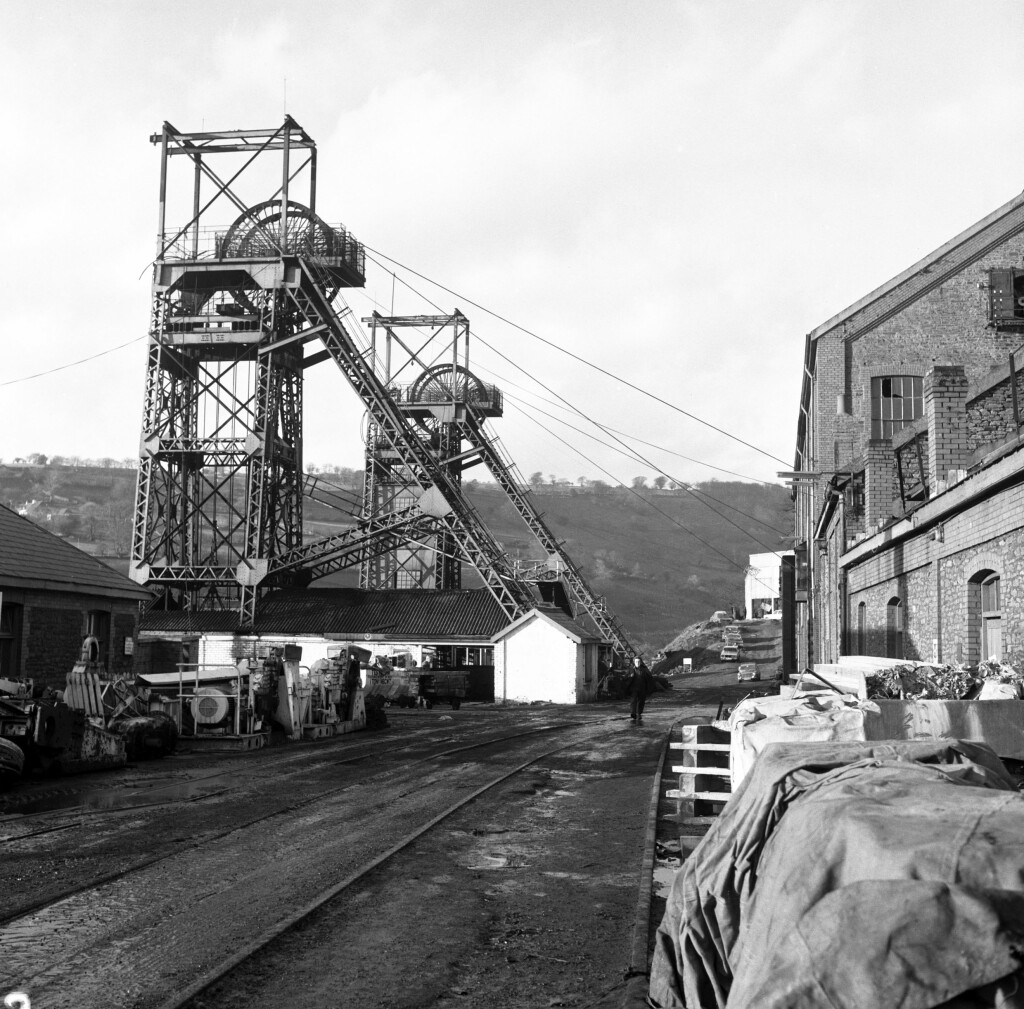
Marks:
<point>236,707</point>
<point>54,734</point>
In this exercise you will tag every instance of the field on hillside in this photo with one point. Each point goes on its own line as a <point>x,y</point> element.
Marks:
<point>663,559</point>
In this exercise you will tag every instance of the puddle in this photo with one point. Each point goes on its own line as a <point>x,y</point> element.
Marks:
<point>108,799</point>
<point>502,860</point>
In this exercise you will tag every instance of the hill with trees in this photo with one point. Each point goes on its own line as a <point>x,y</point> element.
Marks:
<point>663,556</point>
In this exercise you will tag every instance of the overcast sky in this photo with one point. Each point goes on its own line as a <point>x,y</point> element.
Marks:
<point>677,192</point>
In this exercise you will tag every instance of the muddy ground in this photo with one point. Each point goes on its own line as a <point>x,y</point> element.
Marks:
<point>527,896</point>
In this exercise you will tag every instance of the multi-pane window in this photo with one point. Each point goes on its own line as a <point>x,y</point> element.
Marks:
<point>990,595</point>
<point>896,400</point>
<point>991,619</point>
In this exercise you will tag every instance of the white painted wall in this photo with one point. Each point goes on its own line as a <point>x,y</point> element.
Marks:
<point>762,580</point>
<point>538,661</point>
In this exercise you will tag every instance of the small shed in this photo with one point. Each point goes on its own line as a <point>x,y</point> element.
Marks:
<point>545,656</point>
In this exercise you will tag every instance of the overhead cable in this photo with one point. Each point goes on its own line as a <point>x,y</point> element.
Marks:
<point>72,364</point>
<point>577,357</point>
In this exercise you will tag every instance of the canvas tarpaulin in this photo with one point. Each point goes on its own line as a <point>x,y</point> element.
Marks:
<point>855,875</point>
<point>808,718</point>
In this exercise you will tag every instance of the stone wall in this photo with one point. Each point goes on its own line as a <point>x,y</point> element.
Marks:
<point>931,573</point>
<point>54,625</point>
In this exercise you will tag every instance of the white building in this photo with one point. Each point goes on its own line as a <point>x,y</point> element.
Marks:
<point>761,593</point>
<point>545,656</point>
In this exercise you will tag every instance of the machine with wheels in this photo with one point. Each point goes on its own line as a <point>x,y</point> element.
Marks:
<point>440,686</point>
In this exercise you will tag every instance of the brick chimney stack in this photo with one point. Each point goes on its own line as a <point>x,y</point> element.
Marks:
<point>945,407</point>
<point>879,483</point>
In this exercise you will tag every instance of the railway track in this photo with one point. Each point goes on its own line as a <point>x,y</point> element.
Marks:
<point>184,918</point>
<point>310,763</point>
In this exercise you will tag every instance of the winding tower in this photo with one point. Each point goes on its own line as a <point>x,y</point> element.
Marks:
<point>433,403</point>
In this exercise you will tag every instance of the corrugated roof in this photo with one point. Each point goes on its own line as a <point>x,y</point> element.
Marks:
<point>419,614</point>
<point>31,557</point>
<point>187,622</point>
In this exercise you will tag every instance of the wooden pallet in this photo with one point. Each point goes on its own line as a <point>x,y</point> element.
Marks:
<point>704,772</point>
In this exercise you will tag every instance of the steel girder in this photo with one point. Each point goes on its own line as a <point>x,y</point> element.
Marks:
<point>221,448</point>
<point>472,429</point>
<point>389,485</point>
<point>454,514</point>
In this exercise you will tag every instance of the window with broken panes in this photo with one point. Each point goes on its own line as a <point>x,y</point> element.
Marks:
<point>896,400</point>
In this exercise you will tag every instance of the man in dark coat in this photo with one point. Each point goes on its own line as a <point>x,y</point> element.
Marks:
<point>638,686</point>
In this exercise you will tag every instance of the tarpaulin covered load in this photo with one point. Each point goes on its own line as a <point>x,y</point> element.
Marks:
<point>809,718</point>
<point>853,875</point>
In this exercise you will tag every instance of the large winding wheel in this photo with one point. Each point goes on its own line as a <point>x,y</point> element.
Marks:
<point>445,383</point>
<point>258,233</point>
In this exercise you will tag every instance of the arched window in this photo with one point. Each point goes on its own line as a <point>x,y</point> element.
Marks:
<point>894,629</point>
<point>862,629</point>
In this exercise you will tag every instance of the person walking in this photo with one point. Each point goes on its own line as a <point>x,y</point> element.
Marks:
<point>637,689</point>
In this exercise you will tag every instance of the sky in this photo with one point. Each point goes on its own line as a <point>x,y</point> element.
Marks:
<point>672,192</point>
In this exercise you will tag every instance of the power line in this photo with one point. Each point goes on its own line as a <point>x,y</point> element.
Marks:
<point>636,455</point>
<point>635,458</point>
<point>576,357</point>
<point>72,364</point>
<point>633,491</point>
<point>632,437</point>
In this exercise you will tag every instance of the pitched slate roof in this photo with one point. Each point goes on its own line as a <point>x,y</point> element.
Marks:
<point>32,558</point>
<point>419,614</point>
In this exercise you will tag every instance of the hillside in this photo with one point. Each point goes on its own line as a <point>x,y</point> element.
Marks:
<point>663,559</point>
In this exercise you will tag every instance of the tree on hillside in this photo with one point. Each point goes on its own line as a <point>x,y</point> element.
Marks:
<point>536,479</point>
<point>660,481</point>
<point>91,514</point>
<point>50,483</point>
<point>37,459</point>
<point>639,482</point>
<point>120,512</point>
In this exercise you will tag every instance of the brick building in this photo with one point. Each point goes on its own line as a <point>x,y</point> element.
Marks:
<point>51,596</point>
<point>910,477</point>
